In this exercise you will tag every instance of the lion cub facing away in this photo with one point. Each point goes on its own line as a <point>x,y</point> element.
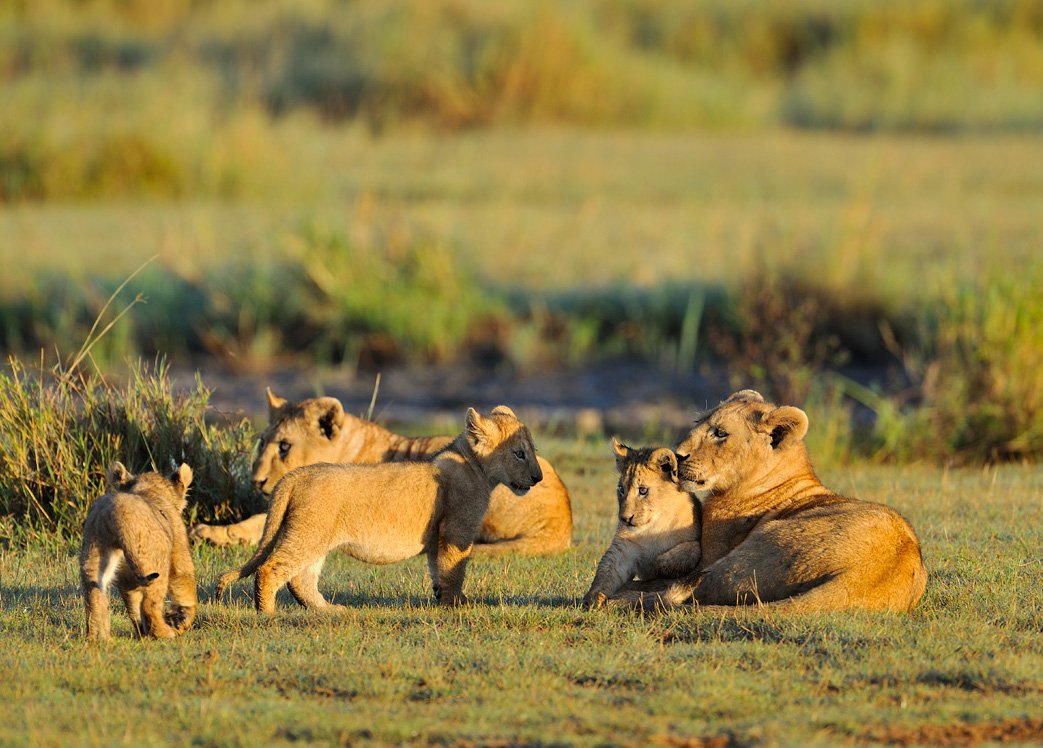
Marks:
<point>390,512</point>
<point>659,524</point>
<point>134,536</point>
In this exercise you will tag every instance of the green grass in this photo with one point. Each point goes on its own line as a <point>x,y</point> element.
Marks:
<point>525,665</point>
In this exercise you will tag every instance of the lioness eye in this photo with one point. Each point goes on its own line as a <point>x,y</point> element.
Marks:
<point>284,449</point>
<point>620,490</point>
<point>520,454</point>
<point>643,490</point>
<point>719,433</point>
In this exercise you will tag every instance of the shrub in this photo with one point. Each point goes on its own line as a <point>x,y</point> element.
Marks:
<point>776,334</point>
<point>60,430</point>
<point>982,394</point>
<point>404,299</point>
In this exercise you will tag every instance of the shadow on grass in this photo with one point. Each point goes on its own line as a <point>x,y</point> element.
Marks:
<point>12,598</point>
<point>242,595</point>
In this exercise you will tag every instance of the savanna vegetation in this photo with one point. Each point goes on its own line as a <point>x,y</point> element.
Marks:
<point>835,202</point>
<point>320,187</point>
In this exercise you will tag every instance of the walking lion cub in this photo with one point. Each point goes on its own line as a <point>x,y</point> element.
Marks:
<point>659,524</point>
<point>390,512</point>
<point>134,536</point>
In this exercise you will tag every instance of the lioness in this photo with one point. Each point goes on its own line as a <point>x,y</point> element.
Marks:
<point>390,512</point>
<point>134,536</point>
<point>318,430</point>
<point>659,526</point>
<point>772,533</point>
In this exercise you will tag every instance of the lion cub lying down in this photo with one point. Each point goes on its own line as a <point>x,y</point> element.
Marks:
<point>390,512</point>
<point>134,536</point>
<point>659,524</point>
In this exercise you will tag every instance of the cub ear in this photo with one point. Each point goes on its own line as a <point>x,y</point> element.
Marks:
<point>621,450</point>
<point>274,402</point>
<point>745,396</point>
<point>475,427</point>
<point>326,414</point>
<point>117,474</point>
<point>788,426</point>
<point>667,462</point>
<point>503,410</point>
<point>183,475</point>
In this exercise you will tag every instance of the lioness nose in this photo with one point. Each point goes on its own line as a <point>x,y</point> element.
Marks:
<point>259,483</point>
<point>537,476</point>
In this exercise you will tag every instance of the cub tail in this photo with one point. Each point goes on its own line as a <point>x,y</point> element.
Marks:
<point>272,526</point>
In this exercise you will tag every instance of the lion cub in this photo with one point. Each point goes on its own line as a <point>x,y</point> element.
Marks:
<point>390,512</point>
<point>659,524</point>
<point>134,536</point>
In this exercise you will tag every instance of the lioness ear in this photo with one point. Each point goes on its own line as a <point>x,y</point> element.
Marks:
<point>503,410</point>
<point>327,414</point>
<point>474,427</point>
<point>183,475</point>
<point>667,462</point>
<point>788,425</point>
<point>274,402</point>
<point>745,396</point>
<point>117,474</point>
<point>621,450</point>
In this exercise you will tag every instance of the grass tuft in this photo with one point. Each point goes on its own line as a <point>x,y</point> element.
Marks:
<point>63,428</point>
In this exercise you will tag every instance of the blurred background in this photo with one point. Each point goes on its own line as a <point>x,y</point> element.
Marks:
<point>607,212</point>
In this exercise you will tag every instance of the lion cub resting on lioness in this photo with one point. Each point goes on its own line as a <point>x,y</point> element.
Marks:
<point>659,524</point>
<point>390,512</point>
<point>773,535</point>
<point>134,536</point>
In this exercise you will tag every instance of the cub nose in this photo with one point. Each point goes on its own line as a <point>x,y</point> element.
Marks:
<point>628,518</point>
<point>260,483</point>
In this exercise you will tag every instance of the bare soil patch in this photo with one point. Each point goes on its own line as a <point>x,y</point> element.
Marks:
<point>1028,730</point>
<point>612,396</point>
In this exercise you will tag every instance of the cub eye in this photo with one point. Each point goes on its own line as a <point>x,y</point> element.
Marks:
<point>620,490</point>
<point>284,449</point>
<point>718,433</point>
<point>643,490</point>
<point>520,454</point>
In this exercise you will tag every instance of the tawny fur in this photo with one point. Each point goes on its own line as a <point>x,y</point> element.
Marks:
<point>390,512</point>
<point>659,527</point>
<point>773,534</point>
<point>318,430</point>
<point>134,537</point>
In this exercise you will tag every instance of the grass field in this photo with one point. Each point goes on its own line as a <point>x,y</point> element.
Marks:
<point>556,208</point>
<point>837,202</point>
<point>524,665</point>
